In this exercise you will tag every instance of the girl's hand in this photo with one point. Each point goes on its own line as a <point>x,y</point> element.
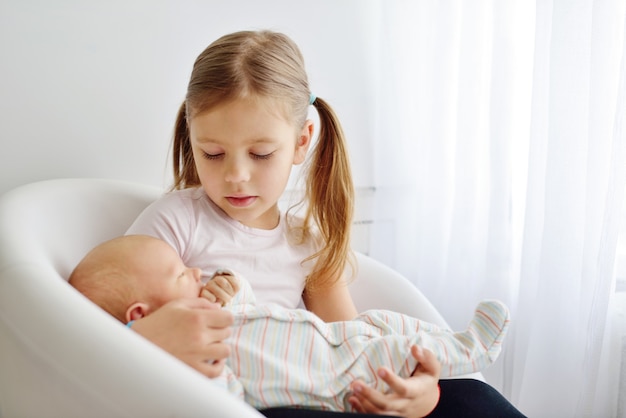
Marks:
<point>221,287</point>
<point>192,330</point>
<point>414,397</point>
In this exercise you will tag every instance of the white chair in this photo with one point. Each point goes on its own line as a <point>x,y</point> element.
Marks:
<point>61,356</point>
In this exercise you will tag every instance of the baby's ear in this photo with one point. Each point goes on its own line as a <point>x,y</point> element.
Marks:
<point>136,311</point>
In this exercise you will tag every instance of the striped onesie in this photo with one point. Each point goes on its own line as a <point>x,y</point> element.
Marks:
<point>291,357</point>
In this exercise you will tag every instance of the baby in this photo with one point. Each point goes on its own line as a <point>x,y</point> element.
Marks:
<point>284,356</point>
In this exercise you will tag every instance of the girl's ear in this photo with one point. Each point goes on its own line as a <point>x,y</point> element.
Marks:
<point>304,142</point>
<point>136,311</point>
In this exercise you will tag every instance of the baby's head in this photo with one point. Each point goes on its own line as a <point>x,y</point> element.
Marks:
<point>131,276</point>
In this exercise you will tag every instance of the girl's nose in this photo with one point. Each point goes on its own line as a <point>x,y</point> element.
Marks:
<point>237,171</point>
<point>197,274</point>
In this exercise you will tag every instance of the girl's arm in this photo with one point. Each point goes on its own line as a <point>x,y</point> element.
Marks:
<point>331,305</point>
<point>193,330</point>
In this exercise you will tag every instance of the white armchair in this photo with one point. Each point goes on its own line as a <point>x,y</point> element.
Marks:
<point>61,356</point>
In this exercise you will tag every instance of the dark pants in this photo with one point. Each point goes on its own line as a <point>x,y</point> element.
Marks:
<point>467,398</point>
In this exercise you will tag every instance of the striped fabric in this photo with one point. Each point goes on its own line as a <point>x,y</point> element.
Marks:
<point>291,357</point>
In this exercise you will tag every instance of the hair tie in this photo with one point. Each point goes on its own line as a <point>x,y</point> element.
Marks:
<point>312,99</point>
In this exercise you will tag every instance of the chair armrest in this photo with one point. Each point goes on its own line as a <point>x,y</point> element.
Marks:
<point>71,359</point>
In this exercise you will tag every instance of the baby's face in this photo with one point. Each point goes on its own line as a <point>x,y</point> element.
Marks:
<point>163,275</point>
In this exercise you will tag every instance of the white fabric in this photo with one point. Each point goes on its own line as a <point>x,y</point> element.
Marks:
<point>505,125</point>
<point>61,356</point>
<point>290,356</point>
<point>207,238</point>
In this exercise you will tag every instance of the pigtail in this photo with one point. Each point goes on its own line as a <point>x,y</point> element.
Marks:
<point>330,198</point>
<point>185,174</point>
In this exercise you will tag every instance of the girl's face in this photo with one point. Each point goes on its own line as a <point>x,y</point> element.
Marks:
<point>244,153</point>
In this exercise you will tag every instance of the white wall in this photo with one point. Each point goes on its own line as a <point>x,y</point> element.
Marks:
<point>91,89</point>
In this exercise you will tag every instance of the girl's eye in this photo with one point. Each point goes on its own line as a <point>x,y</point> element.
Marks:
<point>212,156</point>
<point>261,156</point>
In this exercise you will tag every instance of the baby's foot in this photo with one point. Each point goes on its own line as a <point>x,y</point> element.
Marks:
<point>489,325</point>
<point>481,343</point>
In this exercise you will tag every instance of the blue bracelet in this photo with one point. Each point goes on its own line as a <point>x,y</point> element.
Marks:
<point>130,323</point>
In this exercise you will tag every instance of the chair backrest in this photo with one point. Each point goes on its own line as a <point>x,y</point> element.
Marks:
<point>58,221</point>
<point>54,223</point>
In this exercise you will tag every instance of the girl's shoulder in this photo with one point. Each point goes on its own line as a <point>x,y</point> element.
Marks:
<point>189,194</point>
<point>173,217</point>
<point>300,233</point>
<point>176,199</point>
<point>174,208</point>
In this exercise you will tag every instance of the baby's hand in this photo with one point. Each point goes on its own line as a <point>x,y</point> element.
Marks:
<point>221,287</point>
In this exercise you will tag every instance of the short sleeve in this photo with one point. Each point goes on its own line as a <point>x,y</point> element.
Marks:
<point>169,219</point>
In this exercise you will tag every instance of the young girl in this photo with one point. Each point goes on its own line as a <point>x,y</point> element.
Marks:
<point>241,128</point>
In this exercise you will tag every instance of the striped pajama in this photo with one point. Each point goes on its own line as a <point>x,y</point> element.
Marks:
<point>291,357</point>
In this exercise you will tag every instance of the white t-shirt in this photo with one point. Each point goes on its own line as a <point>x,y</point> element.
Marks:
<point>205,237</point>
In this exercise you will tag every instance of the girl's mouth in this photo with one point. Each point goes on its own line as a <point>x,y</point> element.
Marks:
<point>241,201</point>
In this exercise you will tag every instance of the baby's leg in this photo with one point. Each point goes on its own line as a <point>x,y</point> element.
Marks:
<point>459,352</point>
<point>475,348</point>
<point>291,357</point>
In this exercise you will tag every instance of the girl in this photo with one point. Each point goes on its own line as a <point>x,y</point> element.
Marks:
<point>241,128</point>
<point>238,133</point>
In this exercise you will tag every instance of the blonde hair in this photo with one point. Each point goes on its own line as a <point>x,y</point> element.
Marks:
<point>103,277</point>
<point>269,64</point>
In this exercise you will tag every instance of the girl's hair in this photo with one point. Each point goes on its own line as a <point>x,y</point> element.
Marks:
<point>269,65</point>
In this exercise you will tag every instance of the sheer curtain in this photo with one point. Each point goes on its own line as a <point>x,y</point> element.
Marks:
<point>500,166</point>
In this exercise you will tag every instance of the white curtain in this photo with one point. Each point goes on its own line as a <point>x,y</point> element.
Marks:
<point>500,167</point>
